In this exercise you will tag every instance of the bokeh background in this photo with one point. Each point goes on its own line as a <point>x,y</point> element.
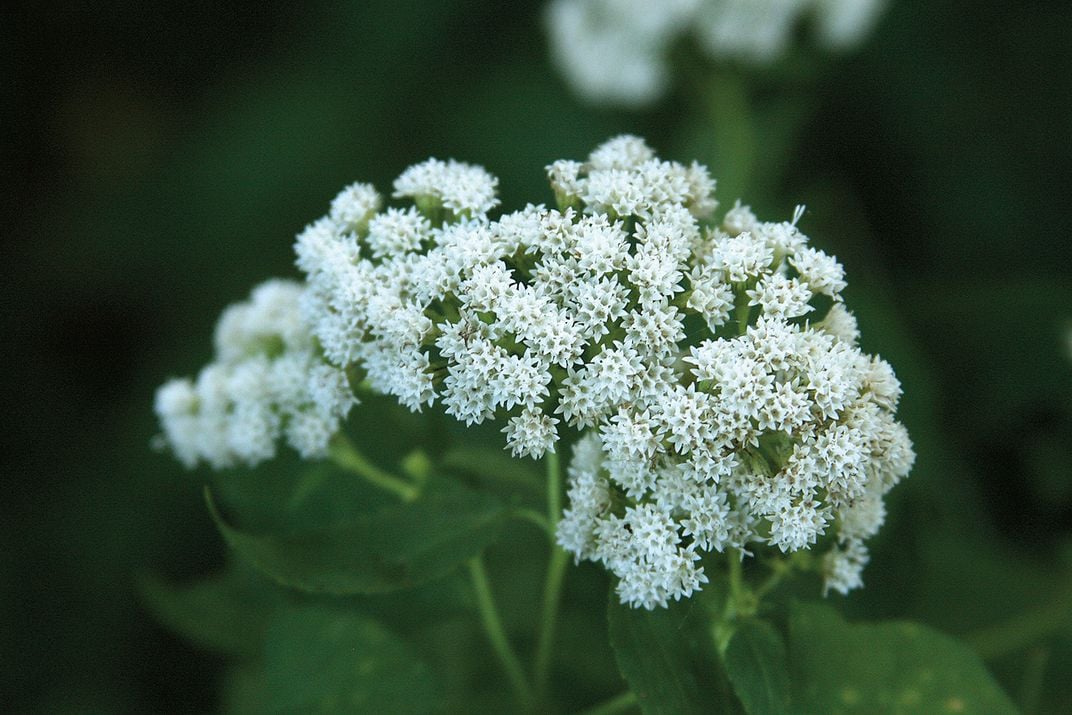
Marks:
<point>158,158</point>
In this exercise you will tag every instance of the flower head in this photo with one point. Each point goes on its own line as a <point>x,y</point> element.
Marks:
<point>719,402</point>
<point>720,408</point>
<point>267,383</point>
<point>617,51</point>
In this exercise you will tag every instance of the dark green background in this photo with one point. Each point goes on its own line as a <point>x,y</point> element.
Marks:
<point>158,158</point>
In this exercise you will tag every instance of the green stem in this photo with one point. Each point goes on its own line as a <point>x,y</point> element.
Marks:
<point>744,310</point>
<point>736,573</point>
<point>781,569</point>
<point>554,487</point>
<point>617,704</point>
<point>729,120</point>
<point>723,627</point>
<point>556,572</point>
<point>489,616</point>
<point>534,517</point>
<point>345,455</point>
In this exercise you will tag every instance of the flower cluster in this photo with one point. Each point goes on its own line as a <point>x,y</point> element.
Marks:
<point>541,316</point>
<point>616,51</point>
<point>719,409</point>
<point>711,371</point>
<point>267,381</point>
<point>772,429</point>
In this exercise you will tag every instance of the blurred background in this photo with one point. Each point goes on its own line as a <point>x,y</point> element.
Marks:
<point>157,159</point>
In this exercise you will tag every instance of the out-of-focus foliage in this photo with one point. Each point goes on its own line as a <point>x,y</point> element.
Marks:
<point>158,158</point>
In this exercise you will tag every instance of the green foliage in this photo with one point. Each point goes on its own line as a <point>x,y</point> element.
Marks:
<point>496,469</point>
<point>755,661</point>
<point>323,659</point>
<point>396,547</point>
<point>666,656</point>
<point>227,612</point>
<point>895,667</point>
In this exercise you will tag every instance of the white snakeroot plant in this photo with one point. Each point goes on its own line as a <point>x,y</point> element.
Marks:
<point>267,382</point>
<point>709,370</point>
<point>617,51</point>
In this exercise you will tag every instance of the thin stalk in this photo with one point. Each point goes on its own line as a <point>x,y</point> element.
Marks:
<point>556,572</point>
<point>534,517</point>
<point>743,311</point>
<point>781,568</point>
<point>554,487</point>
<point>489,616</point>
<point>739,602</point>
<point>344,454</point>
<point>734,560</point>
<point>728,110</point>
<point>617,704</point>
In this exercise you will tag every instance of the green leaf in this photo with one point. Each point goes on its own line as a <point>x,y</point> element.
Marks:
<point>896,666</point>
<point>495,466</point>
<point>756,665</point>
<point>226,613</point>
<point>666,657</point>
<point>394,548</point>
<point>291,495</point>
<point>321,659</point>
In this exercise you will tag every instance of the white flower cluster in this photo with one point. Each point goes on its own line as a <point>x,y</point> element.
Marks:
<point>267,382</point>
<point>772,433</point>
<point>539,316</point>
<point>714,371</point>
<point>616,51</point>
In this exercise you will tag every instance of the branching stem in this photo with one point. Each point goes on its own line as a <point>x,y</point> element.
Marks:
<point>344,454</point>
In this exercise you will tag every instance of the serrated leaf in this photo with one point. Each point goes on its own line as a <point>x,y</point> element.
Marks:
<point>665,657</point>
<point>393,548</point>
<point>226,612</point>
<point>322,659</point>
<point>896,666</point>
<point>755,662</point>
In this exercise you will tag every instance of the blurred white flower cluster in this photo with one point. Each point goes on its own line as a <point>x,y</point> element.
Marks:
<point>617,51</point>
<point>267,382</point>
<point>711,371</point>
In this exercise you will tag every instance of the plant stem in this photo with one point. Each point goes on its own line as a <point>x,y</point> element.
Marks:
<point>344,454</point>
<point>734,560</point>
<point>534,517</point>
<point>489,616</point>
<point>728,118</point>
<point>617,704</point>
<point>781,568</point>
<point>556,572</point>
<point>744,311</point>
<point>554,487</point>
